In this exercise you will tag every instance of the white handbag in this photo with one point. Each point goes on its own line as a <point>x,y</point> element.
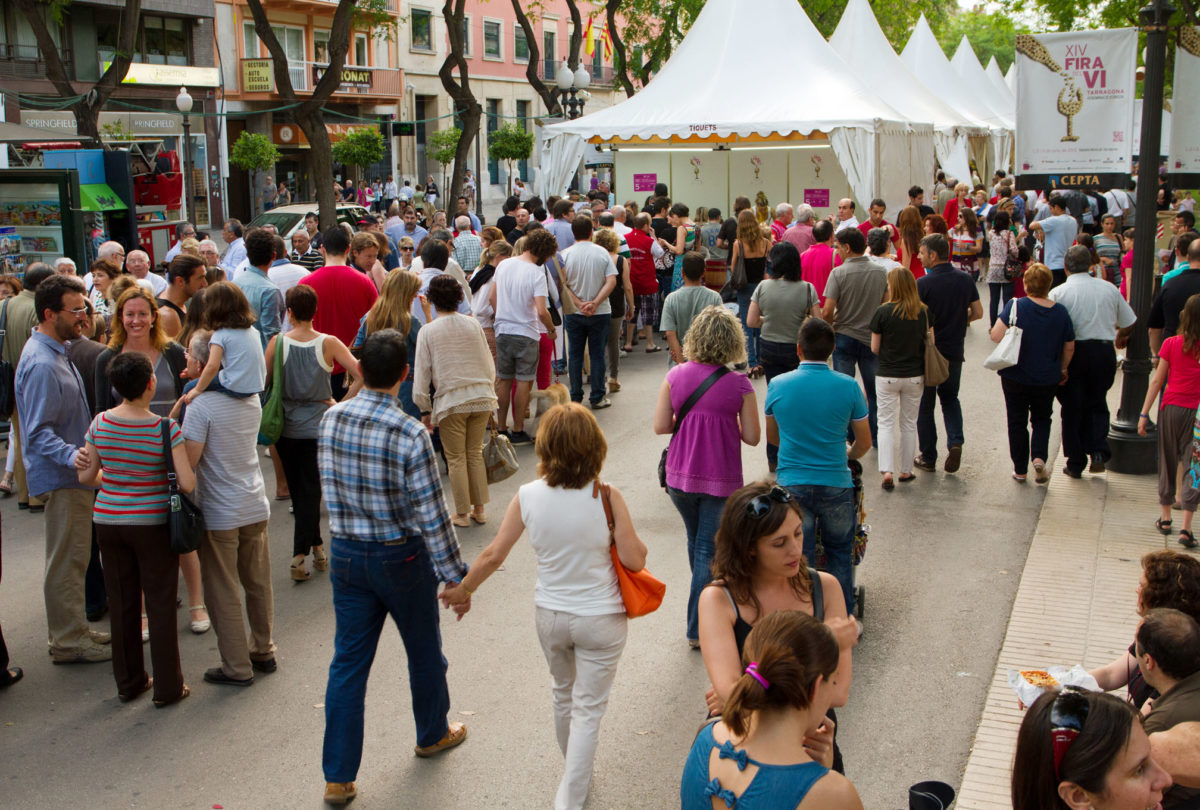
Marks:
<point>1008,350</point>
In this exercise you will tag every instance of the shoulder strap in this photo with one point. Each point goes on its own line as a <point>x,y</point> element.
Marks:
<point>691,401</point>
<point>4,319</point>
<point>601,491</point>
<point>166,439</point>
<point>818,595</point>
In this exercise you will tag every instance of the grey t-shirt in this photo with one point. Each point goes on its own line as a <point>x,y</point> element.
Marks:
<point>586,269</point>
<point>858,285</point>
<point>229,482</point>
<point>784,306</point>
<point>682,306</point>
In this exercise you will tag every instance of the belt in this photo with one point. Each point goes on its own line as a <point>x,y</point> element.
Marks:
<point>1096,340</point>
<point>399,542</point>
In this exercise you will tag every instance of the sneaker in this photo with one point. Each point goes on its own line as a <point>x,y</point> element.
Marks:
<point>859,626</point>
<point>88,652</point>
<point>339,792</point>
<point>921,464</point>
<point>1097,465</point>
<point>601,404</point>
<point>1040,473</point>
<point>520,437</point>
<point>953,458</point>
<point>454,736</point>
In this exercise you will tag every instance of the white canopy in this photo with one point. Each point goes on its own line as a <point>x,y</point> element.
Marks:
<point>861,43</point>
<point>966,64</point>
<point>711,92</point>
<point>1010,79</point>
<point>1003,92</point>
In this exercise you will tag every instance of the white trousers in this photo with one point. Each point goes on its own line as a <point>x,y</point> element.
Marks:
<point>899,400</point>
<point>583,652</point>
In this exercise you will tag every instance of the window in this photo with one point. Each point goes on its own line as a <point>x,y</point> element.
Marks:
<point>493,123</point>
<point>523,123</point>
<point>160,40</point>
<point>321,47</point>
<point>597,56</point>
<point>548,38</point>
<point>249,41</point>
<point>466,35</point>
<point>520,44</point>
<point>492,34</point>
<point>360,50</point>
<point>420,23</point>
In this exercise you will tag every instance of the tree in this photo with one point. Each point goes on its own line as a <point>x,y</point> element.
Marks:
<point>510,143</point>
<point>989,34</point>
<point>369,14</point>
<point>360,147</point>
<point>87,105</point>
<point>254,152</point>
<point>443,146</point>
<point>466,108</point>
<point>527,12</point>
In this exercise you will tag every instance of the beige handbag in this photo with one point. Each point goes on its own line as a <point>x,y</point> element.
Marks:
<point>937,367</point>
<point>499,458</point>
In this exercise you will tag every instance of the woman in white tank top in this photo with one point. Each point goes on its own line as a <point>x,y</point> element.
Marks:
<point>580,617</point>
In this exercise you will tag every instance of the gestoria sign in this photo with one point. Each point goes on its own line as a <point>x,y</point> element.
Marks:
<point>139,124</point>
<point>1075,94</point>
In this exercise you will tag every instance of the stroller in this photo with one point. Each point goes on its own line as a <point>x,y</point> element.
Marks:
<point>861,531</point>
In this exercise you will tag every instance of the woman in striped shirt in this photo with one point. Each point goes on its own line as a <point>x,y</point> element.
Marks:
<point>124,456</point>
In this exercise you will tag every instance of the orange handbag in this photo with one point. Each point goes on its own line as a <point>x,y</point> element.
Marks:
<point>641,591</point>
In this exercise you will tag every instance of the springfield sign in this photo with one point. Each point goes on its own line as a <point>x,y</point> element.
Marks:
<point>1075,94</point>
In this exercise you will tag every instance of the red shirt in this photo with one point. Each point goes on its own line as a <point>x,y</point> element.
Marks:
<point>866,227</point>
<point>816,265</point>
<point>343,296</point>
<point>951,213</point>
<point>777,230</point>
<point>1183,375</point>
<point>641,262</point>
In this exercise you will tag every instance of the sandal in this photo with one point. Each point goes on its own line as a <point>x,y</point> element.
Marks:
<point>125,697</point>
<point>320,558</point>
<point>1020,478</point>
<point>1186,539</point>
<point>888,483</point>
<point>906,477</point>
<point>6,484</point>
<point>184,692</point>
<point>653,349</point>
<point>1163,526</point>
<point>200,626</point>
<point>299,572</point>
<point>756,372</point>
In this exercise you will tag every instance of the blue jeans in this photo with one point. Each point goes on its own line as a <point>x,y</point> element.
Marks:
<point>833,509</point>
<point>848,353</point>
<point>947,392</point>
<point>776,359</point>
<point>743,302</point>
<point>592,329</point>
<point>701,516</point>
<point>370,581</point>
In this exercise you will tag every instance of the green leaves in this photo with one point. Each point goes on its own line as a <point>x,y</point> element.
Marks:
<point>510,142</point>
<point>253,151</point>
<point>443,144</point>
<point>360,147</point>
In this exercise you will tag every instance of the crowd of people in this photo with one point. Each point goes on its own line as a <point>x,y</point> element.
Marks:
<point>421,332</point>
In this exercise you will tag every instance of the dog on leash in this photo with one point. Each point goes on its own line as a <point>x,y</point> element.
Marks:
<point>546,398</point>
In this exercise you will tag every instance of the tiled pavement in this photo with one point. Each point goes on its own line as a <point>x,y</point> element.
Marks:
<point>1075,604</point>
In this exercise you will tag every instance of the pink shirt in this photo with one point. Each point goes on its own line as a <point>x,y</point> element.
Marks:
<point>1126,267</point>
<point>816,265</point>
<point>1183,374</point>
<point>800,235</point>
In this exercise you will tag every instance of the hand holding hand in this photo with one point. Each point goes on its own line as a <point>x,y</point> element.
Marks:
<point>454,594</point>
<point>461,610</point>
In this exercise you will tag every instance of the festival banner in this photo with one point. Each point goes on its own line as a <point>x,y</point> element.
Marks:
<point>1183,162</point>
<point>1075,94</point>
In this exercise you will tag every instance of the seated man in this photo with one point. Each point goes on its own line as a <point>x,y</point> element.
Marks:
<point>1168,656</point>
<point>809,412</point>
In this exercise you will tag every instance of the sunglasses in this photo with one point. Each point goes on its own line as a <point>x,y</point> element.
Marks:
<point>760,505</point>
<point>1068,713</point>
<point>408,249</point>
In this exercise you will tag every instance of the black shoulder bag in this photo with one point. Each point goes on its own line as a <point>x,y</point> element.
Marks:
<point>184,519</point>
<point>8,374</point>
<point>683,412</point>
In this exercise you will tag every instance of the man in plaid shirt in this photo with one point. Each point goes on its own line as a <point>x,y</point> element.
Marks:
<point>392,543</point>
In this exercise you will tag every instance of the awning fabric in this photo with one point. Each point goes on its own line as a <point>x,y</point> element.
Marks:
<point>99,198</point>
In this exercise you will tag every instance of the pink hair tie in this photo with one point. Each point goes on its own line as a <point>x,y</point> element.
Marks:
<point>752,671</point>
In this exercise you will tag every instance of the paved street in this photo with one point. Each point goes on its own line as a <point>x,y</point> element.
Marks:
<point>942,568</point>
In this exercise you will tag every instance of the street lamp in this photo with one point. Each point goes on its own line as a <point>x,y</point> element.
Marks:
<point>574,86</point>
<point>1132,453</point>
<point>183,102</point>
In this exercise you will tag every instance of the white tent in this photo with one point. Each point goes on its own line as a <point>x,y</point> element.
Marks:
<point>967,64</point>
<point>1003,92</point>
<point>1010,79</point>
<point>711,94</point>
<point>925,59</point>
<point>861,43</point>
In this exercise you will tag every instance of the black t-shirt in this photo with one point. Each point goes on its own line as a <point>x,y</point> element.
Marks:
<point>728,232</point>
<point>948,292</point>
<point>902,343</point>
<point>506,223</point>
<point>925,211</point>
<point>512,236</point>
<point>663,229</point>
<point>1168,304</point>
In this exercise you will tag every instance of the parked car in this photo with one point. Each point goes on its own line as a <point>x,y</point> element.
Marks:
<point>290,218</point>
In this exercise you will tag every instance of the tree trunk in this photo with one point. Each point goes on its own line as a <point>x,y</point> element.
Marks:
<point>621,62</point>
<point>465,106</point>
<point>86,109</point>
<point>549,94</point>
<point>308,113</point>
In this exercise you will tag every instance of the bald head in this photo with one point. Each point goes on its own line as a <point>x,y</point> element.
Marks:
<point>618,213</point>
<point>138,263</point>
<point>462,223</point>
<point>112,251</point>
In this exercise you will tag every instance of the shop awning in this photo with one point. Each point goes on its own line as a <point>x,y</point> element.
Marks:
<point>99,197</point>
<point>19,133</point>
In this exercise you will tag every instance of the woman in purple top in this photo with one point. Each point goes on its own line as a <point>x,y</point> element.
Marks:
<point>704,464</point>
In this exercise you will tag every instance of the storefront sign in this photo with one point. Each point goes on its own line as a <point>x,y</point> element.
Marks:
<point>353,79</point>
<point>137,124</point>
<point>1184,161</point>
<point>817,197</point>
<point>1075,94</point>
<point>169,75</point>
<point>644,182</point>
<point>258,76</point>
<point>292,135</point>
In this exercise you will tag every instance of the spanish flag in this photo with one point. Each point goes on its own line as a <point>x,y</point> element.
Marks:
<point>589,45</point>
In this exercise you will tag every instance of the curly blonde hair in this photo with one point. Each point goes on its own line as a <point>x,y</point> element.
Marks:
<point>715,338</point>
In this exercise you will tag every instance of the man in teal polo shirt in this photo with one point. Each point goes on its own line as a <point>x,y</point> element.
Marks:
<point>808,411</point>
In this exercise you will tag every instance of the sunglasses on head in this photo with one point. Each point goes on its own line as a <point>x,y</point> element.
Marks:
<point>1068,713</point>
<point>760,505</point>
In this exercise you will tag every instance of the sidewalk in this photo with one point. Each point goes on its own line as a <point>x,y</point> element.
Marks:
<point>1076,604</point>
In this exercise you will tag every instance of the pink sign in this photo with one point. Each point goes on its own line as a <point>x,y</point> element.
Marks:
<point>817,197</point>
<point>646,182</point>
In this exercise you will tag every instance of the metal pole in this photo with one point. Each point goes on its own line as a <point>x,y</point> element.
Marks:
<point>187,167</point>
<point>1132,453</point>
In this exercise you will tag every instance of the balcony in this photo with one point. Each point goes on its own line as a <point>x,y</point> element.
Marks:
<point>25,61</point>
<point>257,76</point>
<point>310,6</point>
<point>603,76</point>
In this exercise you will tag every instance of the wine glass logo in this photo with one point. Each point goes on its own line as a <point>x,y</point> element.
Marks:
<point>1070,98</point>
